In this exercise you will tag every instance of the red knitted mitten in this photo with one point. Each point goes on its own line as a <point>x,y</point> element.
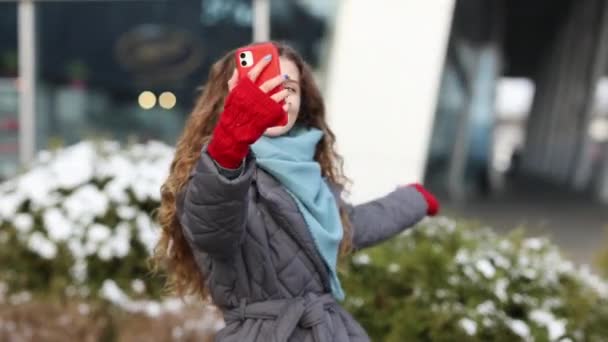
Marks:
<point>247,114</point>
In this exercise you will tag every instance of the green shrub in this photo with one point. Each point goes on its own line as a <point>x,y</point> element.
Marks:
<point>602,256</point>
<point>444,281</point>
<point>78,226</point>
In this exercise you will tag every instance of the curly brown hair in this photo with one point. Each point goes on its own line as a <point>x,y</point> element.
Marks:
<point>172,254</point>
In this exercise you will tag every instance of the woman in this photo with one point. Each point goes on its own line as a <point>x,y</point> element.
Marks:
<point>251,211</point>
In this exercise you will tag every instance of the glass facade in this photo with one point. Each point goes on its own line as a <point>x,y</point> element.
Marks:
<point>126,70</point>
<point>459,160</point>
<point>464,115</point>
<point>9,97</point>
<point>131,70</point>
<point>303,25</point>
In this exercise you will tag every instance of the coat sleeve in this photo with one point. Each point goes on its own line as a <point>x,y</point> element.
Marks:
<point>378,220</point>
<point>212,208</point>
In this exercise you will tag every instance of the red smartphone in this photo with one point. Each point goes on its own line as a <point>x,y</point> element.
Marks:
<point>248,56</point>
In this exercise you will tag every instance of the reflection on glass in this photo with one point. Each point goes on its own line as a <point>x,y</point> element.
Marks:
<point>147,100</point>
<point>304,25</point>
<point>9,96</point>
<point>167,100</point>
<point>116,69</point>
<point>236,11</point>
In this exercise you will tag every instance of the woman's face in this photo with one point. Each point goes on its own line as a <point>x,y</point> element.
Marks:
<point>293,100</point>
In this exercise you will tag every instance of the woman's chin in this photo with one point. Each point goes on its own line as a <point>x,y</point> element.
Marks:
<point>276,131</point>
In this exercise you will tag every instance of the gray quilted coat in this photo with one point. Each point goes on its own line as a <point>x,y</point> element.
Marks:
<point>264,271</point>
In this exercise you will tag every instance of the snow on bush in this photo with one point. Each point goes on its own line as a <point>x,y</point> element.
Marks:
<point>81,220</point>
<point>80,223</point>
<point>448,281</point>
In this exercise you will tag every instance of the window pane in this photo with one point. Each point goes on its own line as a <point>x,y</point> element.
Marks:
<point>9,123</point>
<point>303,25</point>
<point>128,69</point>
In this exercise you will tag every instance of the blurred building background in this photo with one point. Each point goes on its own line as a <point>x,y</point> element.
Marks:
<point>500,106</point>
<point>123,69</point>
<point>521,129</point>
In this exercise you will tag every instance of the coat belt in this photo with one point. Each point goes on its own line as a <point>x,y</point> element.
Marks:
<point>307,311</point>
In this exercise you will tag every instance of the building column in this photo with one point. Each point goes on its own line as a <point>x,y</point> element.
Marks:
<point>27,80</point>
<point>382,83</point>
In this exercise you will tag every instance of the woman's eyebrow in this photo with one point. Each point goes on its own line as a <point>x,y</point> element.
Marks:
<point>295,82</point>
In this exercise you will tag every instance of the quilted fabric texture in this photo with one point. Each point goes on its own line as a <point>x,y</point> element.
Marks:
<point>263,268</point>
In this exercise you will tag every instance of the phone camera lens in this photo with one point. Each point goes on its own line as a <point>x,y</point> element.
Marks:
<point>244,63</point>
<point>242,55</point>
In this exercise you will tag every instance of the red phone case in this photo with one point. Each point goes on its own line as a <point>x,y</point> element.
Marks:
<point>258,52</point>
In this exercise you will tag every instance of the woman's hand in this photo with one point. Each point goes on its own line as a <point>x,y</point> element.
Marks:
<point>248,112</point>
<point>267,86</point>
